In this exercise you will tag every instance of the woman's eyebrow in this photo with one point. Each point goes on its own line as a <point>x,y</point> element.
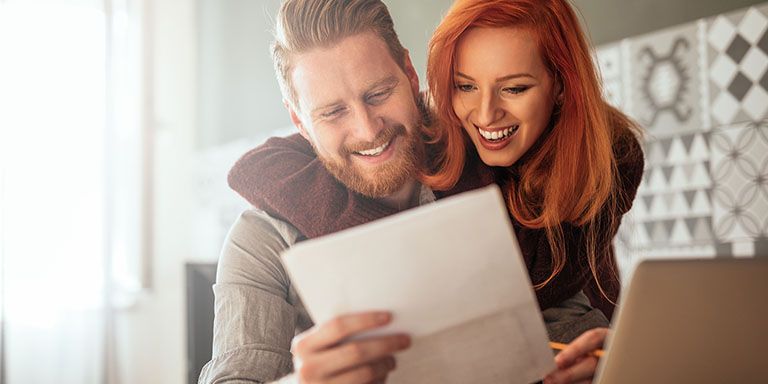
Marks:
<point>499,79</point>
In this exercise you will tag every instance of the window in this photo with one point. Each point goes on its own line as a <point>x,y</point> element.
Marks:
<point>71,176</point>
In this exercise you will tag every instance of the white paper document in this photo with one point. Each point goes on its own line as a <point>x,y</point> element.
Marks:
<point>451,273</point>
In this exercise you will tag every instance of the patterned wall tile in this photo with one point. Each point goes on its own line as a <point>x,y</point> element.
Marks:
<point>740,174</point>
<point>673,207</point>
<point>738,65</point>
<point>609,61</point>
<point>701,92</point>
<point>665,81</point>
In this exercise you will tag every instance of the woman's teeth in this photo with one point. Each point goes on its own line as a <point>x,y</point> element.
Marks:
<point>375,151</point>
<point>498,135</point>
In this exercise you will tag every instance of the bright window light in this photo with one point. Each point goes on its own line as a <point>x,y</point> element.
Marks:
<point>52,119</point>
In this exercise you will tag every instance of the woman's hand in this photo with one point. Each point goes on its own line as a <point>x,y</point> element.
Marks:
<point>576,364</point>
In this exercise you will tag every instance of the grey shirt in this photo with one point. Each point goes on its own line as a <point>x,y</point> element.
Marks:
<point>258,312</point>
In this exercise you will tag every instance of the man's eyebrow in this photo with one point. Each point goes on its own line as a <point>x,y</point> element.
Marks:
<point>390,81</point>
<point>499,79</point>
<point>332,104</point>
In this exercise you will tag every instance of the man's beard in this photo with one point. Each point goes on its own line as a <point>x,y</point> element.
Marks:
<point>385,179</point>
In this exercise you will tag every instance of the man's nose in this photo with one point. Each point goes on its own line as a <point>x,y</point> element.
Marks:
<point>368,125</point>
<point>488,112</point>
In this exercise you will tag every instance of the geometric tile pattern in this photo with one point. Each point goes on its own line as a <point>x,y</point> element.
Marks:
<point>609,62</point>
<point>738,66</point>
<point>674,202</point>
<point>740,181</point>
<point>665,85</point>
<point>700,91</point>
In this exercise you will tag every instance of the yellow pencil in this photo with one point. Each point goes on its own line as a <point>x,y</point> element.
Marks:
<point>560,346</point>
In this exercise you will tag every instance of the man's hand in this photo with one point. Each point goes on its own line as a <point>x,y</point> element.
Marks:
<point>322,354</point>
<point>576,364</point>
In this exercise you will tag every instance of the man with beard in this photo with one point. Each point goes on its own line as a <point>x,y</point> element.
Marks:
<point>352,92</point>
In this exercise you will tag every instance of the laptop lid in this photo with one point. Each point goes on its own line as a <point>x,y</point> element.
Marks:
<point>691,321</point>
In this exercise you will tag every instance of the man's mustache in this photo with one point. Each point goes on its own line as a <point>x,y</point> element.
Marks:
<point>384,136</point>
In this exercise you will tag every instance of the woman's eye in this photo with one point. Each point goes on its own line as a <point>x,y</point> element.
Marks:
<point>515,90</point>
<point>465,87</point>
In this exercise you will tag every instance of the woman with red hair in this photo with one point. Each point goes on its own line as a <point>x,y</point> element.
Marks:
<point>516,101</point>
<point>515,78</point>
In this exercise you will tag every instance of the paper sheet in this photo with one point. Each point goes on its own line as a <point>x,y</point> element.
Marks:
<point>451,273</point>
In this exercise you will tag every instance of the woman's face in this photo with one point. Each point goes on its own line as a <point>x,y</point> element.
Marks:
<point>503,93</point>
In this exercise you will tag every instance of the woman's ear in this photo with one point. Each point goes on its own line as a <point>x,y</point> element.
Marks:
<point>559,91</point>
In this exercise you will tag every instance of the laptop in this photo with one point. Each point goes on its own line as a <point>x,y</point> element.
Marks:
<point>691,321</point>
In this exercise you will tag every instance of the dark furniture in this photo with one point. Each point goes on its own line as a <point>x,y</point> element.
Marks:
<point>200,278</point>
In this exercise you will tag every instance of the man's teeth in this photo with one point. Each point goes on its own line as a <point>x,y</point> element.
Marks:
<point>375,151</point>
<point>498,135</point>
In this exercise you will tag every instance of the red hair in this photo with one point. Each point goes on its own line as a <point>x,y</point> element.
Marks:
<point>570,175</point>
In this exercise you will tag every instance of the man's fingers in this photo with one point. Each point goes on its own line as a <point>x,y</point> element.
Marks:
<point>356,353</point>
<point>334,331</point>
<point>582,370</point>
<point>368,373</point>
<point>582,346</point>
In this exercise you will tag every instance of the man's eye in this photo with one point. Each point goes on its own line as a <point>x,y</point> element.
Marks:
<point>332,113</point>
<point>378,97</point>
<point>465,87</point>
<point>515,90</point>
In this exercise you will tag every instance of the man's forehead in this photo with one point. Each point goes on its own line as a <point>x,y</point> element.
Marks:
<point>344,70</point>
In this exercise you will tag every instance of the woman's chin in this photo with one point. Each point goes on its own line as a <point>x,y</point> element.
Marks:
<point>497,158</point>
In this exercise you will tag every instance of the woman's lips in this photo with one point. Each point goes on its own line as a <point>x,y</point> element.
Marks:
<point>496,139</point>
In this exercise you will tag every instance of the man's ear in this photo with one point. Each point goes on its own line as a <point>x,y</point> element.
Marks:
<point>296,120</point>
<point>410,72</point>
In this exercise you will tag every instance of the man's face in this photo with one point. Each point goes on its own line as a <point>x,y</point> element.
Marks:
<point>358,109</point>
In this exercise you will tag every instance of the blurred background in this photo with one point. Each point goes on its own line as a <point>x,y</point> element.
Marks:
<point>120,118</point>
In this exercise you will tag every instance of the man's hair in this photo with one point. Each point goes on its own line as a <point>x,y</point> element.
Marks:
<point>303,25</point>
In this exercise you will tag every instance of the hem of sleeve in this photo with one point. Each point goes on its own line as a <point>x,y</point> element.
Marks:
<point>254,363</point>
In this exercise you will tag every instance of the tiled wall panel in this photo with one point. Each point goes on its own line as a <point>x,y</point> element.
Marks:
<point>700,91</point>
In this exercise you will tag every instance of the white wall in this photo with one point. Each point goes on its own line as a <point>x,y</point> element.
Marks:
<point>151,346</point>
<point>611,20</point>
